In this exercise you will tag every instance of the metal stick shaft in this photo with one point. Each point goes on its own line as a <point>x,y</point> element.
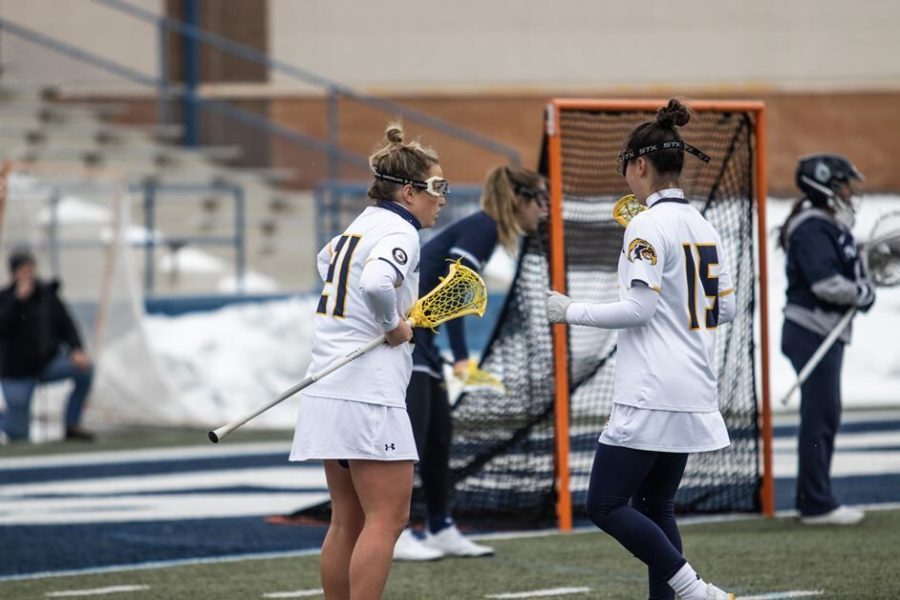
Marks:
<point>217,434</point>
<point>823,349</point>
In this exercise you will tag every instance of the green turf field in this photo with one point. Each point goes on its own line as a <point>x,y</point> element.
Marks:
<point>750,557</point>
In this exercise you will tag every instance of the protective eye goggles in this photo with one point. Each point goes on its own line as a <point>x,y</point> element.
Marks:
<point>624,157</point>
<point>538,195</point>
<point>433,186</point>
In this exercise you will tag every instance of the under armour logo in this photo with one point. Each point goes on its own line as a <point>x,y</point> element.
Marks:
<point>389,447</point>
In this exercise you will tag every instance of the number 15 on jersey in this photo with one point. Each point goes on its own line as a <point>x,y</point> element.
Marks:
<point>702,299</point>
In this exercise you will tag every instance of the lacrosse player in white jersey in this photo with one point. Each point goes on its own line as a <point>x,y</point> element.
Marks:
<point>674,290</point>
<point>355,420</point>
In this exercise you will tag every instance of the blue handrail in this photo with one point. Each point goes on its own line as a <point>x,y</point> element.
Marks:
<point>151,191</point>
<point>253,55</point>
<point>180,92</point>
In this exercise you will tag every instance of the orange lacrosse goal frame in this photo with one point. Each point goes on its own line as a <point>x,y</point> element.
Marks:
<point>558,280</point>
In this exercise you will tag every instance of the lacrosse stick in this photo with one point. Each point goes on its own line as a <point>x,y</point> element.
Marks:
<point>881,254</point>
<point>626,208</point>
<point>460,293</point>
<point>477,379</point>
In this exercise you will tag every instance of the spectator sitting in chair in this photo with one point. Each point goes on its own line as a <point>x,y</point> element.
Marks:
<point>38,343</point>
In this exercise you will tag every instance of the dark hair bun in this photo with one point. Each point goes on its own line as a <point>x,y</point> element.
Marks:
<point>674,114</point>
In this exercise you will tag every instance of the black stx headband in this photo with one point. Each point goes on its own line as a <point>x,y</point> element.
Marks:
<point>625,156</point>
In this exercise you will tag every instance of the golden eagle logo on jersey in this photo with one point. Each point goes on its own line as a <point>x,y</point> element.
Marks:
<point>640,249</point>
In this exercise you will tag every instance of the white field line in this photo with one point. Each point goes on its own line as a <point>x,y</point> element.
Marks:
<point>147,455</point>
<point>150,497</point>
<point>854,441</point>
<point>845,463</point>
<point>127,509</point>
<point>116,589</point>
<point>780,595</point>
<point>297,594</point>
<point>542,593</point>
<point>280,477</point>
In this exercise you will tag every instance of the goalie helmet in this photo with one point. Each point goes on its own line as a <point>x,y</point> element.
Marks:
<point>820,176</point>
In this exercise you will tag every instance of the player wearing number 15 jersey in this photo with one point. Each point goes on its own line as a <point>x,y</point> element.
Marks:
<point>355,419</point>
<point>672,250</point>
<point>675,291</point>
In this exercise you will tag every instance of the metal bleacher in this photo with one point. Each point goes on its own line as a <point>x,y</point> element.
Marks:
<point>193,196</point>
<point>268,227</point>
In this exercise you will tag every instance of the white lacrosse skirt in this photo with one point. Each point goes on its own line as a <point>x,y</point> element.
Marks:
<point>329,428</point>
<point>664,431</point>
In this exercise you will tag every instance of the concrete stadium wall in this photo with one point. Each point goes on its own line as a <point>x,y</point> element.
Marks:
<point>861,125</point>
<point>520,45</point>
<point>827,69</point>
<point>85,25</point>
<point>517,46</point>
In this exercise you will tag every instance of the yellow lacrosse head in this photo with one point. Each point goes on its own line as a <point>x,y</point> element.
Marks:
<point>476,378</point>
<point>460,293</point>
<point>626,208</point>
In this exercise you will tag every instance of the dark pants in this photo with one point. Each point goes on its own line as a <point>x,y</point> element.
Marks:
<point>647,527</point>
<point>18,392</point>
<point>429,413</point>
<point>820,417</point>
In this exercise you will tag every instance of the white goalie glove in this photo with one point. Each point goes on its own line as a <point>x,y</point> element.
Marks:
<point>557,304</point>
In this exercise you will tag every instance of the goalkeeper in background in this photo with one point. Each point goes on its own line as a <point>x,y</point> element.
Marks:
<point>513,203</point>
<point>675,290</point>
<point>355,421</point>
<point>825,278</point>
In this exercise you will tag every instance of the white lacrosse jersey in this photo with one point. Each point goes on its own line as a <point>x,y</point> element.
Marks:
<point>343,321</point>
<point>670,363</point>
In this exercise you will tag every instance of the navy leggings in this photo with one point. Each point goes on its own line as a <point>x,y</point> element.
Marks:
<point>432,425</point>
<point>820,417</point>
<point>647,527</point>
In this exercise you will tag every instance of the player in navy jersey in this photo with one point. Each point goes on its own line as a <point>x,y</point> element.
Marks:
<point>825,278</point>
<point>355,420</point>
<point>674,289</point>
<point>513,203</point>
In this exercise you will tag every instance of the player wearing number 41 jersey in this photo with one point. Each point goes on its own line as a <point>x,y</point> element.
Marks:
<point>675,291</point>
<point>355,420</point>
<point>385,235</point>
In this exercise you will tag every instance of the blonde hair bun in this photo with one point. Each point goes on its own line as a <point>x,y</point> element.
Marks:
<point>394,133</point>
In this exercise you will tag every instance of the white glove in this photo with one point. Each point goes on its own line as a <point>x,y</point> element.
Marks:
<point>557,304</point>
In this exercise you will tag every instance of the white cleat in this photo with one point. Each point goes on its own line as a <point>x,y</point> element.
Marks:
<point>409,547</point>
<point>842,515</point>
<point>451,542</point>
<point>714,593</point>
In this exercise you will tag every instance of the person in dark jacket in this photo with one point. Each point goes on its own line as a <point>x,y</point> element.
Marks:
<point>825,278</point>
<point>38,343</point>
<point>513,203</point>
